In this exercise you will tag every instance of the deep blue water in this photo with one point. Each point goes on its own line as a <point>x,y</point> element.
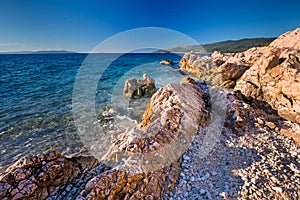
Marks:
<point>36,96</point>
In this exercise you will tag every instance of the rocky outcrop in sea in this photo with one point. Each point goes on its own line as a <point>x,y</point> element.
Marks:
<point>144,86</point>
<point>231,132</point>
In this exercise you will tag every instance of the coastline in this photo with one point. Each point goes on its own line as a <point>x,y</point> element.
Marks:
<point>256,156</point>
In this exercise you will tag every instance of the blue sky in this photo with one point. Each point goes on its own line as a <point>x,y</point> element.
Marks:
<point>80,25</point>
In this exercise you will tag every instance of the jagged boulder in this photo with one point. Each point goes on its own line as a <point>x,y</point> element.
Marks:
<point>289,39</point>
<point>219,69</point>
<point>194,64</point>
<point>173,116</point>
<point>50,175</point>
<point>265,74</point>
<point>274,78</point>
<point>43,175</point>
<point>134,88</point>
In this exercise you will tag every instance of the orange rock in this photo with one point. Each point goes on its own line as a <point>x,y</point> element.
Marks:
<point>274,77</point>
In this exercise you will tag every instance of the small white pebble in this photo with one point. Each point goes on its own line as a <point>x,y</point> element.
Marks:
<point>224,195</point>
<point>277,189</point>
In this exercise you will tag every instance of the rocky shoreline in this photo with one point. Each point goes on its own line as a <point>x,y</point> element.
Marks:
<point>256,155</point>
<point>250,160</point>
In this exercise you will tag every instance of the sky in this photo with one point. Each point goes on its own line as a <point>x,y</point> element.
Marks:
<point>80,25</point>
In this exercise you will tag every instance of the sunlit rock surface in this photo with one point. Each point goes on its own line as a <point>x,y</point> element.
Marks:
<point>147,165</point>
<point>173,153</point>
<point>267,74</point>
<point>275,77</point>
<point>134,88</point>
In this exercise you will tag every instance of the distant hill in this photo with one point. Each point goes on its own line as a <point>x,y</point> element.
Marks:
<point>54,51</point>
<point>229,46</point>
<point>40,52</point>
<point>144,50</point>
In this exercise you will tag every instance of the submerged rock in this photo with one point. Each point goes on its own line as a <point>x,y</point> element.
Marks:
<point>134,88</point>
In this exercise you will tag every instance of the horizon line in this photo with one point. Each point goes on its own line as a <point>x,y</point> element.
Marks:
<point>64,51</point>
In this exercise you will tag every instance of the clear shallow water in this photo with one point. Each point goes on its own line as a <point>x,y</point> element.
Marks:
<point>36,96</point>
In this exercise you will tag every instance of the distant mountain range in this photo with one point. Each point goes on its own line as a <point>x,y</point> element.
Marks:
<point>40,52</point>
<point>229,46</point>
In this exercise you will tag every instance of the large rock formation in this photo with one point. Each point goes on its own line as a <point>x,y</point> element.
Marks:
<point>144,163</point>
<point>45,175</point>
<point>134,88</point>
<point>289,39</point>
<point>226,68</point>
<point>170,109</point>
<point>263,74</point>
<point>53,176</point>
<point>173,116</point>
<point>219,69</point>
<point>274,78</point>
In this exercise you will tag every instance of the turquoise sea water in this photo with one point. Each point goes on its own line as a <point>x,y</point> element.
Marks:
<point>36,96</point>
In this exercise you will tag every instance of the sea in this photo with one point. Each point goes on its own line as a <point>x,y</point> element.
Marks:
<point>37,92</point>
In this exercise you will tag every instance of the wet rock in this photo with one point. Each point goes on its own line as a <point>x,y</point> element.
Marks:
<point>224,195</point>
<point>106,115</point>
<point>166,62</point>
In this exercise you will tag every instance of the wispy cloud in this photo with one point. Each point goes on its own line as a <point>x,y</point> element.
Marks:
<point>12,44</point>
